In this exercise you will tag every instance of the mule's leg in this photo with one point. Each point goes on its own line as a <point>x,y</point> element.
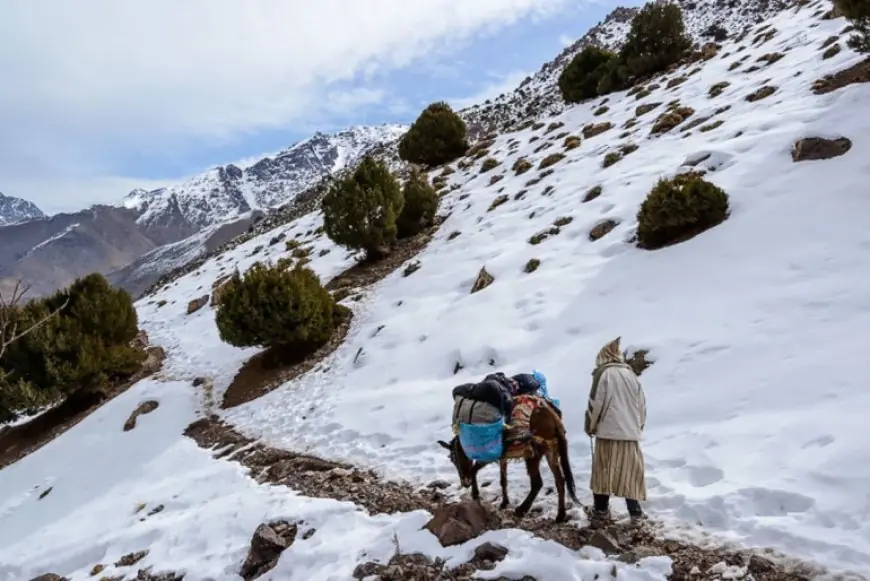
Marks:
<point>505,501</point>
<point>475,491</point>
<point>533,468</point>
<point>553,463</point>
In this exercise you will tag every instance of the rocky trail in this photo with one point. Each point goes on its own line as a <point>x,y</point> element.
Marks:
<point>456,522</point>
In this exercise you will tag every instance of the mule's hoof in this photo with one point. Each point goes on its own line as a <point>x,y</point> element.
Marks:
<point>561,517</point>
<point>520,512</point>
<point>504,504</point>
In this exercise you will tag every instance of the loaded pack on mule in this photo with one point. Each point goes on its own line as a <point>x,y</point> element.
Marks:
<point>510,418</point>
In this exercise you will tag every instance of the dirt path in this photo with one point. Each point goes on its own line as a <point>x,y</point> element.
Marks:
<point>319,478</point>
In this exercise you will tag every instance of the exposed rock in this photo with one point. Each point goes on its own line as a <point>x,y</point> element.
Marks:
<point>131,559</point>
<point>484,279</point>
<point>45,492</point>
<point>49,577</point>
<point>153,361</point>
<point>147,575</point>
<point>456,523</point>
<point>815,148</point>
<point>196,304</point>
<point>636,554</point>
<point>146,407</point>
<point>141,340</point>
<point>859,73</point>
<point>490,552</point>
<point>602,229</point>
<point>267,544</point>
<point>605,542</point>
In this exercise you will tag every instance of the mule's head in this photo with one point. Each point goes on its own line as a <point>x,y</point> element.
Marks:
<point>464,466</point>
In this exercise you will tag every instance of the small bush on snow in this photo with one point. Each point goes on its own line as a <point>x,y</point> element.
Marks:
<point>675,210</point>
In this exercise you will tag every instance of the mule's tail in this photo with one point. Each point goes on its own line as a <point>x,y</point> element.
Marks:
<point>565,463</point>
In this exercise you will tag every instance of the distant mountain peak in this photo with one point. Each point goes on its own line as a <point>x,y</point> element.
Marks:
<point>14,210</point>
<point>229,191</point>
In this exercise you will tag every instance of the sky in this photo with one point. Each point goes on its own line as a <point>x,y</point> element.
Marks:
<point>100,97</point>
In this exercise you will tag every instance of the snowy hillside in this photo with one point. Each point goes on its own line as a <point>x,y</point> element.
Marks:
<point>13,210</point>
<point>757,397</point>
<point>226,192</point>
<point>539,95</point>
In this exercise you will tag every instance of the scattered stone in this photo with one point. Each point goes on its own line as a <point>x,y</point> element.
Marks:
<point>490,552</point>
<point>498,202</point>
<point>411,268</point>
<point>670,119</point>
<point>45,492</point>
<point>636,554</point>
<point>831,52</point>
<point>495,179</point>
<point>551,159</point>
<point>602,229</point>
<point>196,304</point>
<point>456,523</point>
<point>815,148</point>
<point>594,129</point>
<point>645,108</point>
<point>157,509</point>
<point>131,559</point>
<point>718,88</point>
<point>761,93</point>
<point>521,166</point>
<point>49,577</point>
<point>453,235</point>
<point>197,381</point>
<point>97,569</point>
<point>267,544</point>
<point>601,111</point>
<point>532,265</point>
<point>146,407</point>
<point>571,142</point>
<point>604,541</point>
<point>592,194</point>
<point>483,280</point>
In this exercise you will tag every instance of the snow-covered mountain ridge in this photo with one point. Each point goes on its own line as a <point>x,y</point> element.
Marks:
<point>14,210</point>
<point>226,192</point>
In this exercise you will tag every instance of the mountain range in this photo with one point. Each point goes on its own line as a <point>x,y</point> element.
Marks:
<point>151,226</point>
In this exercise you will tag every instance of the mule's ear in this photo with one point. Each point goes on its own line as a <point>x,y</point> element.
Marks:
<point>444,444</point>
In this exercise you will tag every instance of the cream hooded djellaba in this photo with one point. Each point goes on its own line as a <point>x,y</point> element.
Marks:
<point>617,404</point>
<point>616,415</point>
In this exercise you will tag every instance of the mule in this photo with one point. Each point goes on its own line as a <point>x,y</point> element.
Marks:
<point>548,439</point>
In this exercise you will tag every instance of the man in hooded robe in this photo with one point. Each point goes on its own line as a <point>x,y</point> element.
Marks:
<point>616,416</point>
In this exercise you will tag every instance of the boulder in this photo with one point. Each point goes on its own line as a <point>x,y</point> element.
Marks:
<point>454,524</point>
<point>484,279</point>
<point>267,544</point>
<point>196,304</point>
<point>814,148</point>
<point>49,577</point>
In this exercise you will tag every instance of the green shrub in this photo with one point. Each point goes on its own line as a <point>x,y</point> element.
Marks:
<point>858,12</point>
<point>361,209</point>
<point>580,78</point>
<point>657,39</point>
<point>271,307</point>
<point>83,348</point>
<point>678,209</point>
<point>437,136</point>
<point>421,203</point>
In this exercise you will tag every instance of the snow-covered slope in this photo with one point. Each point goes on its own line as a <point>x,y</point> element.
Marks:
<point>538,95</point>
<point>757,398</point>
<point>226,192</point>
<point>13,210</point>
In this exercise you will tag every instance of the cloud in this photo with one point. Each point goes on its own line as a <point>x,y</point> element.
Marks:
<point>502,84</point>
<point>101,81</point>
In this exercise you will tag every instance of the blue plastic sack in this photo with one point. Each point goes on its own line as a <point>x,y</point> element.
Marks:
<point>555,402</point>
<point>482,442</point>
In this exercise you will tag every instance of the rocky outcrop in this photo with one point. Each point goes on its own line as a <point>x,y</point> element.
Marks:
<point>483,280</point>
<point>267,544</point>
